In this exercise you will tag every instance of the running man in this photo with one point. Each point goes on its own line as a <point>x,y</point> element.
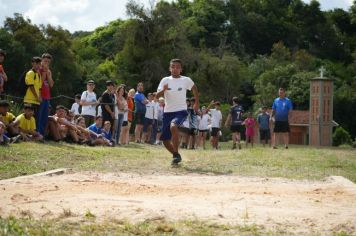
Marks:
<point>174,89</point>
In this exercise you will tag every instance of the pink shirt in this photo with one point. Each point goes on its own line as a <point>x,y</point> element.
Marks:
<point>249,123</point>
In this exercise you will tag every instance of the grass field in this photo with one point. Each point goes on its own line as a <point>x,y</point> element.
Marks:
<point>298,162</point>
<point>295,163</point>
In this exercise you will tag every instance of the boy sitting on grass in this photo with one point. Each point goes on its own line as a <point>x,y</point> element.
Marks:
<point>27,125</point>
<point>96,128</point>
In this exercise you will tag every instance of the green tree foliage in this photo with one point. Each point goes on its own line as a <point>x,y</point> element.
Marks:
<point>341,136</point>
<point>245,48</point>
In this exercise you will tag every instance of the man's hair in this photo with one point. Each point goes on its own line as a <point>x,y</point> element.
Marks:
<point>4,103</point>
<point>217,103</point>
<point>98,117</point>
<point>77,96</point>
<point>60,107</point>
<point>282,89</point>
<point>176,60</point>
<point>36,59</point>
<point>264,107</point>
<point>235,100</point>
<point>46,55</point>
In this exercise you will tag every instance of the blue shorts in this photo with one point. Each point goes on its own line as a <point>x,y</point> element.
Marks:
<point>177,118</point>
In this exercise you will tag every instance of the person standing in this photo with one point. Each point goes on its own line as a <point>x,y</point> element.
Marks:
<point>33,82</point>
<point>108,103</point>
<point>235,120</point>
<point>280,113</point>
<point>88,102</point>
<point>249,123</point>
<point>3,76</point>
<point>216,119</point>
<point>174,89</point>
<point>121,99</point>
<point>47,84</point>
<point>140,111</point>
<point>263,120</point>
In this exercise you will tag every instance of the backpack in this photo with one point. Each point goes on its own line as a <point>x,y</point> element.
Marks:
<point>22,83</point>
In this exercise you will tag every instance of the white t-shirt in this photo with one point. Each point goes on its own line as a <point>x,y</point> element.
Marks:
<point>204,122</point>
<point>88,97</point>
<point>150,109</point>
<point>176,94</point>
<point>116,109</point>
<point>156,108</point>
<point>186,123</point>
<point>100,111</point>
<point>75,109</point>
<point>216,118</point>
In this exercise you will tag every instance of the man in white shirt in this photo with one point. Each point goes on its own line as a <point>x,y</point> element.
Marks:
<point>174,89</point>
<point>88,102</point>
<point>149,116</point>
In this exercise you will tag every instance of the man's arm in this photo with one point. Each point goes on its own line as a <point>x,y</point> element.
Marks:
<point>196,97</point>
<point>228,120</point>
<point>161,93</point>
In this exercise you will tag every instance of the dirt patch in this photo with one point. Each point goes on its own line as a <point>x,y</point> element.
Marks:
<point>296,206</point>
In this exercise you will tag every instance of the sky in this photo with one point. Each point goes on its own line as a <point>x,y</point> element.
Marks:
<point>87,15</point>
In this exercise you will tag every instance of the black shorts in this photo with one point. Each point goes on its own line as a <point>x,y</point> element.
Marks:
<point>215,131</point>
<point>236,128</point>
<point>125,123</point>
<point>281,127</point>
<point>184,130</point>
<point>192,131</point>
<point>203,131</point>
<point>265,134</point>
<point>139,118</point>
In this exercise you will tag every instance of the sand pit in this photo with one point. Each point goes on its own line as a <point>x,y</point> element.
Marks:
<point>296,206</point>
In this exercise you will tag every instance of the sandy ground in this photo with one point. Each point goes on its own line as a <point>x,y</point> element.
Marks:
<point>295,206</point>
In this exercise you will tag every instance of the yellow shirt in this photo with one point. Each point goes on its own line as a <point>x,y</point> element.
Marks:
<point>34,79</point>
<point>26,124</point>
<point>7,119</point>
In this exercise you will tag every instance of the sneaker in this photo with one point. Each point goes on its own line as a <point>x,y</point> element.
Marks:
<point>176,159</point>
<point>274,147</point>
<point>15,139</point>
<point>286,147</point>
<point>234,146</point>
<point>240,146</point>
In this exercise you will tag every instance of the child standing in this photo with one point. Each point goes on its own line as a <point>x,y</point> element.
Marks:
<point>216,118</point>
<point>249,124</point>
<point>263,123</point>
<point>204,121</point>
<point>75,105</point>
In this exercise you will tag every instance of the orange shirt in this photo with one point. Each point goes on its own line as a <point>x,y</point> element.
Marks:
<point>130,105</point>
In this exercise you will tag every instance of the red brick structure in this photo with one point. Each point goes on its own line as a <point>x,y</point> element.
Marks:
<point>321,112</point>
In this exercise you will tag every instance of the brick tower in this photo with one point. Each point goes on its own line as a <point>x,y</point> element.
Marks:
<point>321,111</point>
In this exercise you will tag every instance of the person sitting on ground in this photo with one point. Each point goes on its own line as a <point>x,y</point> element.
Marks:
<point>97,129</point>
<point>27,125</point>
<point>3,138</point>
<point>107,132</point>
<point>60,127</point>
<point>87,136</point>
<point>8,119</point>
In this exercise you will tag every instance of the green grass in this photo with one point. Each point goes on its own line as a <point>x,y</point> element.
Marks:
<point>298,162</point>
<point>295,163</point>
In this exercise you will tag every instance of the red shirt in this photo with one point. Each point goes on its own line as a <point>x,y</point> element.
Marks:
<point>130,105</point>
<point>46,89</point>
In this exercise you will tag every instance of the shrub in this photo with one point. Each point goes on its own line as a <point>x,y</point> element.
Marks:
<point>341,136</point>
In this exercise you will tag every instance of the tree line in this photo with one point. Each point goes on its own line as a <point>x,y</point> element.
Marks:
<point>245,48</point>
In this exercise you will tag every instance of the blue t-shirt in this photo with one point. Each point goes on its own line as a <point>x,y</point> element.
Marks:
<point>139,106</point>
<point>236,114</point>
<point>282,108</point>
<point>263,121</point>
<point>107,135</point>
<point>95,129</point>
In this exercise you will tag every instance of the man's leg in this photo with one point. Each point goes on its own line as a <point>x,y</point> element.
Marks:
<point>286,139</point>
<point>138,130</point>
<point>234,140</point>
